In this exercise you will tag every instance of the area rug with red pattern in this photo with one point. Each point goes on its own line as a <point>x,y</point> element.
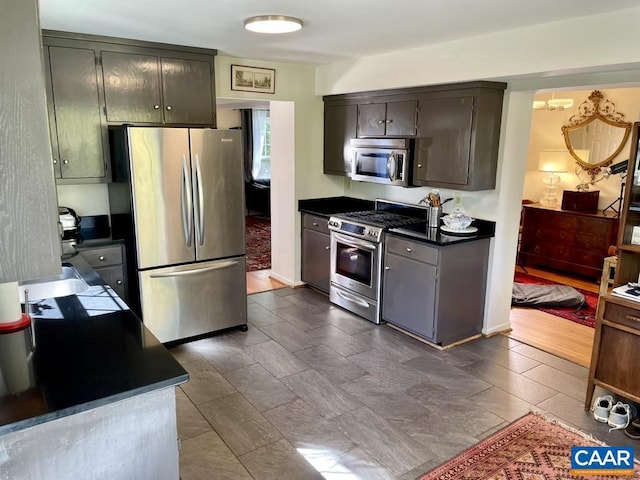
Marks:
<point>529,448</point>
<point>584,316</point>
<point>258,243</point>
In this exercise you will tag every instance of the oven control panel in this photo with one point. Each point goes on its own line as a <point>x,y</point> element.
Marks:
<point>355,229</point>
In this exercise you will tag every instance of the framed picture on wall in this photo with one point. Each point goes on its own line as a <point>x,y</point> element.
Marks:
<point>253,79</point>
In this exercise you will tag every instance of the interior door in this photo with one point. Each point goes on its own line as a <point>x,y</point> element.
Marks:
<point>218,186</point>
<point>162,195</point>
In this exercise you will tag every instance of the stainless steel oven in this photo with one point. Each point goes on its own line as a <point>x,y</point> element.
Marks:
<point>357,247</point>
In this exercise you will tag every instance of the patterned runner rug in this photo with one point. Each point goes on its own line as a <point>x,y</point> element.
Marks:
<point>584,316</point>
<point>258,243</point>
<point>530,448</point>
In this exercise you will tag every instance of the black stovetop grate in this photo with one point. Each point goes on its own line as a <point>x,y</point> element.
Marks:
<point>380,218</point>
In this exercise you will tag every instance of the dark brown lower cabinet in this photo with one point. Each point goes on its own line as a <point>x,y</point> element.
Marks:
<point>435,292</point>
<point>316,253</point>
<point>616,349</point>
<point>110,263</point>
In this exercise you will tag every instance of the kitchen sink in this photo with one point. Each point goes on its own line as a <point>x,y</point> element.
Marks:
<point>68,282</point>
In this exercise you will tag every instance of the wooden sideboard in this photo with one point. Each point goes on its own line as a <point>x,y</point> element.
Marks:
<point>573,242</point>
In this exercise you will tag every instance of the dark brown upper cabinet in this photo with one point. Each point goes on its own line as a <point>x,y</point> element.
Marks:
<point>458,137</point>
<point>456,127</point>
<point>78,140</point>
<point>397,119</point>
<point>143,88</point>
<point>339,129</point>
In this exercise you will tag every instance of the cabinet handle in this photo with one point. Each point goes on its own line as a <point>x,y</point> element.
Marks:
<point>419,165</point>
<point>409,250</point>
<point>387,268</point>
<point>380,122</point>
<point>65,161</point>
<point>633,318</point>
<point>315,224</point>
<point>101,258</point>
<point>118,282</point>
<point>156,107</point>
<point>55,161</point>
<point>327,247</point>
<point>389,121</point>
<point>169,107</point>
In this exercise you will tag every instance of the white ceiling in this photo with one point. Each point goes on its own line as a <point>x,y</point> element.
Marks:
<point>334,30</point>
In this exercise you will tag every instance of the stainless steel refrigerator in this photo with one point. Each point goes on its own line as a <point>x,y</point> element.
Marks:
<point>177,200</point>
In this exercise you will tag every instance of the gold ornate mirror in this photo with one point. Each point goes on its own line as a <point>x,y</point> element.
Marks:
<point>596,134</point>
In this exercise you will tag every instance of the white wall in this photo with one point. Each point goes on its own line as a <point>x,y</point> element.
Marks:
<point>228,118</point>
<point>583,53</point>
<point>86,199</point>
<point>303,172</point>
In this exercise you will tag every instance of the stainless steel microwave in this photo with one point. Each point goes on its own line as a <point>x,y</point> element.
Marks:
<point>382,160</point>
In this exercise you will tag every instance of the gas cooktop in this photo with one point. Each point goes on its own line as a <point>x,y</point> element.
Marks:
<point>379,218</point>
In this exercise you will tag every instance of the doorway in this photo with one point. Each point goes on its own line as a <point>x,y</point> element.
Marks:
<point>534,327</point>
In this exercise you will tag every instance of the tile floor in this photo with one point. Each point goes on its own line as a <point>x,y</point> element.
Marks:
<point>311,391</point>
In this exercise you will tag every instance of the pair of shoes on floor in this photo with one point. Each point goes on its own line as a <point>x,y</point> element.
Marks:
<point>617,416</point>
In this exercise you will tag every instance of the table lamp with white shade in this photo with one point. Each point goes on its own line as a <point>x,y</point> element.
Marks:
<point>552,162</point>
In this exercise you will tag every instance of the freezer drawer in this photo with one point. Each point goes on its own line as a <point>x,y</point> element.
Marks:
<point>196,299</point>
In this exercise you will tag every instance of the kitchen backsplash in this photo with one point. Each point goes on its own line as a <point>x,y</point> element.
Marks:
<point>90,199</point>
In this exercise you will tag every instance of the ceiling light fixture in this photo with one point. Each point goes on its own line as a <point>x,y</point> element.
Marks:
<point>553,104</point>
<point>273,24</point>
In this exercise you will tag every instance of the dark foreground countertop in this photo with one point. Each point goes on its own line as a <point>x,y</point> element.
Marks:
<point>90,351</point>
<point>436,236</point>
<point>332,205</point>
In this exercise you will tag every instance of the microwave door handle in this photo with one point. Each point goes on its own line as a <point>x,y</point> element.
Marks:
<point>391,166</point>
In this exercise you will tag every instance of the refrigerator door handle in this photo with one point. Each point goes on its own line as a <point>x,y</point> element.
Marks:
<point>186,203</point>
<point>195,271</point>
<point>200,204</point>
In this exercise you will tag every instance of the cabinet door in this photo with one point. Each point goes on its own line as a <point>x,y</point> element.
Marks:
<point>131,87</point>
<point>401,118</point>
<point>339,128</point>
<point>115,278</point>
<point>408,295</point>
<point>76,104</point>
<point>187,91</point>
<point>444,140</point>
<point>51,115</point>
<point>316,259</point>
<point>371,119</point>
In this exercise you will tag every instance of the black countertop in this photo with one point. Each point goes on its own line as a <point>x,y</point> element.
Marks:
<point>435,236</point>
<point>90,351</point>
<point>325,207</point>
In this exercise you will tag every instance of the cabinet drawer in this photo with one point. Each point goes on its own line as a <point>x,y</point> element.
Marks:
<point>319,224</point>
<point>409,249</point>
<point>621,314</point>
<point>102,257</point>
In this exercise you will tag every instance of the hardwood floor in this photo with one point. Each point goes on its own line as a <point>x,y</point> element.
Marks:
<point>260,281</point>
<point>553,334</point>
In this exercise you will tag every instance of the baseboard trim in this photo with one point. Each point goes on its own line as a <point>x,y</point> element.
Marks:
<point>497,329</point>
<point>287,281</point>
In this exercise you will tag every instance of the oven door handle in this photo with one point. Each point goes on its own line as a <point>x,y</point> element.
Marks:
<point>355,243</point>
<point>352,299</point>
<point>391,166</point>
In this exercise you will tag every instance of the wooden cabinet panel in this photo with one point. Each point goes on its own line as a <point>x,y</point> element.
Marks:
<point>153,89</point>
<point>387,119</point>
<point>339,128</point>
<point>80,138</point>
<point>110,263</point>
<point>571,241</point>
<point>131,87</point>
<point>371,119</point>
<point>187,91</point>
<point>316,253</point>
<point>444,140</point>
<point>409,288</point>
